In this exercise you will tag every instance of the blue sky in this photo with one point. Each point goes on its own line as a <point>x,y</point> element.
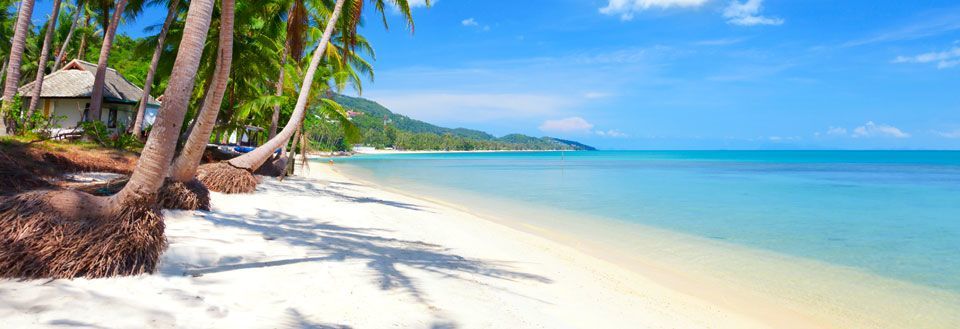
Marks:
<point>666,74</point>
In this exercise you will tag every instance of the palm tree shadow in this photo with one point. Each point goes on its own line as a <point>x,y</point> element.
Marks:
<point>308,187</point>
<point>384,256</point>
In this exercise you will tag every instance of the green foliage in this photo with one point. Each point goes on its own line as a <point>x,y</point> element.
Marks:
<point>37,125</point>
<point>97,131</point>
<point>381,128</point>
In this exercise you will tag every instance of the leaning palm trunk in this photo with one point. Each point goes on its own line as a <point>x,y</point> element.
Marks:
<point>96,96</point>
<point>183,191</point>
<point>16,56</point>
<point>67,234</point>
<point>42,64</point>
<point>152,72</point>
<point>223,177</point>
<point>66,41</point>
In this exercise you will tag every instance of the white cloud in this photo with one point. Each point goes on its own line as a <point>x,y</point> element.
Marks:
<point>747,14</point>
<point>626,9</point>
<point>421,3</point>
<point>567,125</point>
<point>944,59</point>
<point>871,129</point>
<point>471,22</point>
<point>611,133</point>
<point>949,134</point>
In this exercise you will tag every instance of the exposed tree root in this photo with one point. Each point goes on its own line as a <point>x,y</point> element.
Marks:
<point>190,195</point>
<point>224,178</point>
<point>55,234</point>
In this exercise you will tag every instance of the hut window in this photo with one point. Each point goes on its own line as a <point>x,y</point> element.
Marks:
<point>112,120</point>
<point>86,113</point>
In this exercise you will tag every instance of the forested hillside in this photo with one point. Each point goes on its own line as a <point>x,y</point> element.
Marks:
<point>382,128</point>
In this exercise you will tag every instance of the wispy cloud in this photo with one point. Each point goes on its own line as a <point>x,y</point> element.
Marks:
<point>949,134</point>
<point>567,125</point>
<point>944,59</point>
<point>924,25</point>
<point>596,95</point>
<point>626,9</point>
<point>612,133</point>
<point>719,42</point>
<point>421,3</point>
<point>868,130</point>
<point>444,107</point>
<point>748,14</point>
<point>471,22</point>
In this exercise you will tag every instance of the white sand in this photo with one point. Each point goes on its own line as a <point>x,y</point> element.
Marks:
<point>325,252</point>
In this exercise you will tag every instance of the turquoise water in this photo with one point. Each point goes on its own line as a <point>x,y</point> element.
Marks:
<point>891,213</point>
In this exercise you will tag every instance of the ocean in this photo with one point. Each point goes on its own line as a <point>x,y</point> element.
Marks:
<point>892,214</point>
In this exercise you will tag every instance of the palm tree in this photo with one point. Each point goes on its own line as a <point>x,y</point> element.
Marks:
<point>96,95</point>
<point>42,63</point>
<point>66,233</point>
<point>61,55</point>
<point>136,130</point>
<point>183,191</point>
<point>235,176</point>
<point>16,55</point>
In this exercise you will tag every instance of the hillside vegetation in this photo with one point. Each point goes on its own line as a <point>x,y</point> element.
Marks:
<point>381,128</point>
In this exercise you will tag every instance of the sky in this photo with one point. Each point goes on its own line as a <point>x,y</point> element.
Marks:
<point>676,74</point>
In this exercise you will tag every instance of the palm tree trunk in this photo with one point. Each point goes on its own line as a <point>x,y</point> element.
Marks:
<point>18,43</point>
<point>185,166</point>
<point>42,63</point>
<point>253,160</point>
<point>151,73</point>
<point>66,41</point>
<point>275,119</point>
<point>153,165</point>
<point>83,38</point>
<point>96,96</point>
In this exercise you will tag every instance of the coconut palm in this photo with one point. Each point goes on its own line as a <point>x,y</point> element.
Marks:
<point>42,63</point>
<point>18,43</point>
<point>61,55</point>
<point>96,95</point>
<point>152,71</point>
<point>224,177</point>
<point>67,233</point>
<point>183,191</point>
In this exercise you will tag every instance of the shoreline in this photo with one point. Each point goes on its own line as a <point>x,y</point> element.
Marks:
<point>823,302</point>
<point>328,250</point>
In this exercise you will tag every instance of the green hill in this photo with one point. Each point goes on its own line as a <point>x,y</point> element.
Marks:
<point>382,128</point>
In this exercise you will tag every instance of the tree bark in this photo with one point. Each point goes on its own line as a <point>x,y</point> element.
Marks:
<point>96,96</point>
<point>83,39</point>
<point>275,119</point>
<point>18,43</point>
<point>42,63</point>
<point>254,159</point>
<point>185,166</point>
<point>151,73</point>
<point>66,41</point>
<point>154,162</point>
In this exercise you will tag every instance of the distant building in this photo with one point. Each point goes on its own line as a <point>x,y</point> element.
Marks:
<point>66,93</point>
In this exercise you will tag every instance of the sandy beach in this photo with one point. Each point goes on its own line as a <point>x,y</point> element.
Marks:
<point>326,252</point>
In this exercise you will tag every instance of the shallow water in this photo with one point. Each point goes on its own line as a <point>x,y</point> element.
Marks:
<point>895,214</point>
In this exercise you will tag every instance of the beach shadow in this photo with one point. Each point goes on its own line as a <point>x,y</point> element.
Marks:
<point>383,256</point>
<point>296,320</point>
<point>309,187</point>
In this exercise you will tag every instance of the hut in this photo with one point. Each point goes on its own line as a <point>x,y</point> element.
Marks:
<point>66,94</point>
